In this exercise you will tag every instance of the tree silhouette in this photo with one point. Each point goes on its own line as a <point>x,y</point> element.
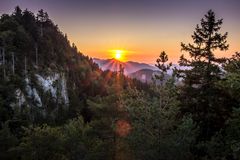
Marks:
<point>162,66</point>
<point>199,93</point>
<point>42,17</point>
<point>203,63</point>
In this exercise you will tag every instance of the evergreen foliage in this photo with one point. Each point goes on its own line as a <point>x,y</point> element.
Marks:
<point>105,115</point>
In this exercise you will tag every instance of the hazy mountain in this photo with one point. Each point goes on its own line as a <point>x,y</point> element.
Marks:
<point>129,66</point>
<point>144,75</point>
<point>147,75</point>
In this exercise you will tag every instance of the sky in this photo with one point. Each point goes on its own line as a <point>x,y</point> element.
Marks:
<point>143,28</point>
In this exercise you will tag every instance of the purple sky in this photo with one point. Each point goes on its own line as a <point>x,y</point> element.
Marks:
<point>141,27</point>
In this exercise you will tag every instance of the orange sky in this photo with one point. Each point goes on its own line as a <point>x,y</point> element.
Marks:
<point>142,27</point>
<point>144,38</point>
<point>146,46</point>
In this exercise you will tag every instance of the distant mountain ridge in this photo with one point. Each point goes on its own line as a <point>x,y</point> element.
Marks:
<point>147,75</point>
<point>141,71</point>
<point>144,75</point>
<point>129,66</point>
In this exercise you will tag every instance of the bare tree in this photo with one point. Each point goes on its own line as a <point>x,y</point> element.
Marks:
<point>3,62</point>
<point>36,54</point>
<point>13,63</point>
<point>25,65</point>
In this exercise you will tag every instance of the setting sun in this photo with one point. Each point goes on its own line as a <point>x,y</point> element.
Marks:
<point>118,54</point>
<point>120,79</point>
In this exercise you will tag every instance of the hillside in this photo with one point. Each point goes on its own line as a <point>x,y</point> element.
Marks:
<point>46,73</point>
<point>58,104</point>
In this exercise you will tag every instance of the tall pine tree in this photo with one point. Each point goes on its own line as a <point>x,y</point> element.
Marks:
<point>209,105</point>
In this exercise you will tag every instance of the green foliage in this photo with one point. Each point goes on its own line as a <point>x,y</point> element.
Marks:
<point>77,138</point>
<point>7,141</point>
<point>233,132</point>
<point>43,143</point>
<point>162,66</point>
<point>7,97</point>
<point>110,116</point>
<point>225,143</point>
<point>209,105</point>
<point>70,141</point>
<point>105,114</point>
<point>208,93</point>
<point>156,131</point>
<point>203,63</point>
<point>231,82</point>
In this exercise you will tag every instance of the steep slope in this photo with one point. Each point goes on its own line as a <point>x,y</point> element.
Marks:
<point>45,72</point>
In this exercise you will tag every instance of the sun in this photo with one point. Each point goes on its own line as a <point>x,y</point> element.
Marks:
<point>118,54</point>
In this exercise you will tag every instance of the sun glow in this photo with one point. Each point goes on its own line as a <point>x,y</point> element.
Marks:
<point>118,54</point>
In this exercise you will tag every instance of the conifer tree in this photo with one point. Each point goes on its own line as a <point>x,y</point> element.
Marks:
<point>162,66</point>
<point>42,17</point>
<point>18,13</point>
<point>209,105</point>
<point>204,65</point>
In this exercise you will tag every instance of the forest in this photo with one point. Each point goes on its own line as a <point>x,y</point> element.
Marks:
<point>57,104</point>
